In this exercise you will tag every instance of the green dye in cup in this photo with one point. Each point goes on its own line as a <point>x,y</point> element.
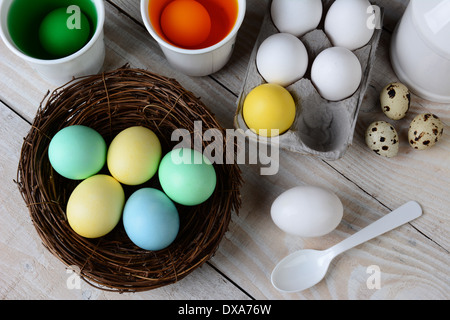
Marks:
<point>60,36</point>
<point>25,18</point>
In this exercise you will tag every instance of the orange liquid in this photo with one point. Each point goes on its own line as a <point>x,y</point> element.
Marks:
<point>223,15</point>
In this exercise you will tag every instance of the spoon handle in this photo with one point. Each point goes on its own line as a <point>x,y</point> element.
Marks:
<point>396,218</point>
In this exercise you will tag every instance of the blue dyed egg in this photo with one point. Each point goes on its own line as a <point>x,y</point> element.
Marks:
<point>151,219</point>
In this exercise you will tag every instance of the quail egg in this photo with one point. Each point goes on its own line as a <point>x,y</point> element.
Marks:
<point>382,138</point>
<point>425,131</point>
<point>395,100</point>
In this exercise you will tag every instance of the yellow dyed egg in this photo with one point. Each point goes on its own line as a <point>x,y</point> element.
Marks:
<point>269,110</point>
<point>134,155</point>
<point>95,206</point>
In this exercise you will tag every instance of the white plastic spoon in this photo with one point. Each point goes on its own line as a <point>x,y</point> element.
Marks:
<point>305,268</point>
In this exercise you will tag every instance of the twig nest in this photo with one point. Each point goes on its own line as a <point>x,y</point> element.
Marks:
<point>110,103</point>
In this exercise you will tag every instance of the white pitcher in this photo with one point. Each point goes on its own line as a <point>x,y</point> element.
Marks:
<point>420,49</point>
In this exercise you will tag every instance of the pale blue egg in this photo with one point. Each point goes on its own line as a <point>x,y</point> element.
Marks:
<point>151,219</point>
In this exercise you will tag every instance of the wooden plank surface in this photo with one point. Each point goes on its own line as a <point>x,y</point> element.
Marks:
<point>413,259</point>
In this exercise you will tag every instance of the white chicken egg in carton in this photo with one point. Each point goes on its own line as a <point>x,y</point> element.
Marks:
<point>326,108</point>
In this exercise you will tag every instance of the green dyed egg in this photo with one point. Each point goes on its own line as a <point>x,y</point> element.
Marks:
<point>62,34</point>
<point>187,177</point>
<point>77,152</point>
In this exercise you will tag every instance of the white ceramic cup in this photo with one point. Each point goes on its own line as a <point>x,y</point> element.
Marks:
<point>420,49</point>
<point>197,62</point>
<point>88,60</point>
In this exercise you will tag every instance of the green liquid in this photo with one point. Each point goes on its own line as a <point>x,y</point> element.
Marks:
<point>25,17</point>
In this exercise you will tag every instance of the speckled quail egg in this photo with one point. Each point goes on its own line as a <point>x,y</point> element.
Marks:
<point>395,100</point>
<point>425,131</point>
<point>382,138</point>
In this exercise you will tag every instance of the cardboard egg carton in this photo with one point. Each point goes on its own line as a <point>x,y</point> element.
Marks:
<point>322,128</point>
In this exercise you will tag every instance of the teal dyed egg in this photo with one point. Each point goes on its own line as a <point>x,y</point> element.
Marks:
<point>77,152</point>
<point>62,34</point>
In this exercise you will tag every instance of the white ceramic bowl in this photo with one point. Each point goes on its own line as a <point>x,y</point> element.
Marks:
<point>88,60</point>
<point>420,49</point>
<point>198,62</point>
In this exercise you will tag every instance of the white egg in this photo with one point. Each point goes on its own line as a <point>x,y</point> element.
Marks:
<point>336,72</point>
<point>349,23</point>
<point>282,59</point>
<point>296,17</point>
<point>307,211</point>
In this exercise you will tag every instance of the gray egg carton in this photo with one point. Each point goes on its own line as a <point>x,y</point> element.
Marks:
<point>322,128</point>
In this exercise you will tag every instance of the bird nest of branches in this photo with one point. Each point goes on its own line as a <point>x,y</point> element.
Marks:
<point>109,103</point>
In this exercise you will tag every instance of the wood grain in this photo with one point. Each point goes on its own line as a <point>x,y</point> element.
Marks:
<point>413,259</point>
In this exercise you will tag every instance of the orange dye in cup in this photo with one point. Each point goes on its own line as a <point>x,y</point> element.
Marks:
<point>185,24</point>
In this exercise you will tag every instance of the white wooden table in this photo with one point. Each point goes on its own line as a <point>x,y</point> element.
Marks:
<point>413,260</point>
